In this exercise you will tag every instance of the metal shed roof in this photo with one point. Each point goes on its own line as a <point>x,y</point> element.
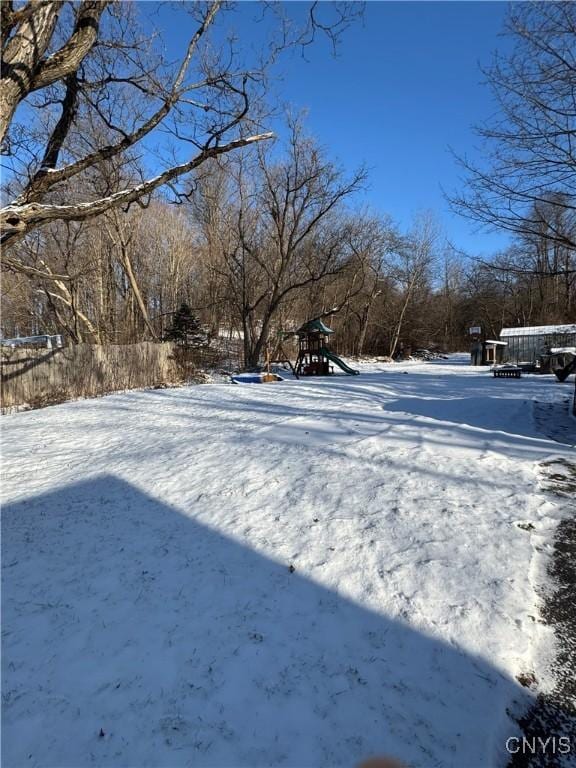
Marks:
<point>538,330</point>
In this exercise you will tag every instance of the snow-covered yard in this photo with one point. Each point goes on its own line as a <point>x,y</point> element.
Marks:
<point>150,613</point>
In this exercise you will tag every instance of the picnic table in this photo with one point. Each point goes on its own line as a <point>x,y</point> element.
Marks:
<point>507,372</point>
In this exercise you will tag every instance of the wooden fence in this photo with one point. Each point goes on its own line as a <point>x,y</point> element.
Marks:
<point>37,377</point>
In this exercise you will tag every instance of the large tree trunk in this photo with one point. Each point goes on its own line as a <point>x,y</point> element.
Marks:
<point>127,264</point>
<point>400,322</point>
<point>363,329</point>
<point>247,339</point>
<point>124,243</point>
<point>364,321</point>
<point>23,67</point>
<point>260,345</point>
<point>20,59</point>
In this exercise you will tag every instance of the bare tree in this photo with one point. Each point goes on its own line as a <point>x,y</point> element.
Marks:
<point>373,244</point>
<point>527,185</point>
<point>412,272</point>
<point>284,230</point>
<point>86,64</point>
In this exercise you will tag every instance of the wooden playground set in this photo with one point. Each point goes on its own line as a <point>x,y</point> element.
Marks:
<point>314,356</point>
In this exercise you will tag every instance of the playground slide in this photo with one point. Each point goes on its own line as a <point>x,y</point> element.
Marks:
<point>337,361</point>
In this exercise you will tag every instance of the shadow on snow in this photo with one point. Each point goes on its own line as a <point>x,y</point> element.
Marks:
<point>186,647</point>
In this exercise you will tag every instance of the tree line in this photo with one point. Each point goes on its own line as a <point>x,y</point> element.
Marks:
<point>254,233</point>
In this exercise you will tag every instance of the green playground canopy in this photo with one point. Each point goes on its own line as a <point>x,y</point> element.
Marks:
<point>314,326</point>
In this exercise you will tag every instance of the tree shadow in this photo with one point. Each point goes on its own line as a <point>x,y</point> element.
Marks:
<point>469,401</point>
<point>477,412</point>
<point>13,369</point>
<point>135,636</point>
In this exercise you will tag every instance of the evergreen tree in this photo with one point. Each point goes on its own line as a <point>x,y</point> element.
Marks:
<point>185,329</point>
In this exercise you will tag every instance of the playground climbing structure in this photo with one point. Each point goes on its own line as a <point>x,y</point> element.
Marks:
<point>314,356</point>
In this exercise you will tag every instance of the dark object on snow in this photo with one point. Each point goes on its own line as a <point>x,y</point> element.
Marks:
<point>186,329</point>
<point>526,679</point>
<point>507,372</point>
<point>563,373</point>
<point>101,734</point>
<point>291,568</point>
<point>428,354</point>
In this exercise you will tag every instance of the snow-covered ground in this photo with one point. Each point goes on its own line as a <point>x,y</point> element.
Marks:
<point>150,613</point>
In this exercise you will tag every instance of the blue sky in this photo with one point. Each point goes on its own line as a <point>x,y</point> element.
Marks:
<point>405,86</point>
